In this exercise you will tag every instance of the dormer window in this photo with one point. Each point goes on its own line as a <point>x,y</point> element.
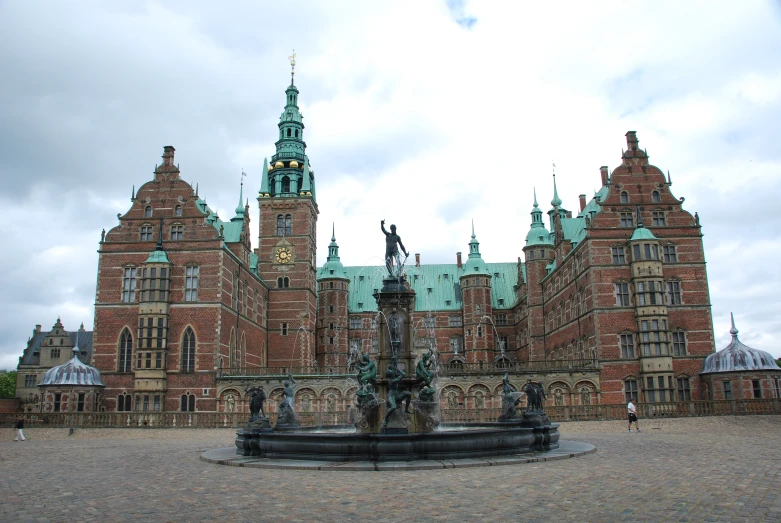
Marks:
<point>148,211</point>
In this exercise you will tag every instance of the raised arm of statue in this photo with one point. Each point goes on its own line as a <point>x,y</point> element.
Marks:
<point>382,226</point>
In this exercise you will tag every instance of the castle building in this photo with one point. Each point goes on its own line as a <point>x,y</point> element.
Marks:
<point>609,303</point>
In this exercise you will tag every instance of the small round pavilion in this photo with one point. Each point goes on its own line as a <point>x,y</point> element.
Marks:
<point>71,387</point>
<point>738,372</point>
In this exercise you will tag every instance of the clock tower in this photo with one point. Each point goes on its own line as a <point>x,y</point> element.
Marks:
<point>287,241</point>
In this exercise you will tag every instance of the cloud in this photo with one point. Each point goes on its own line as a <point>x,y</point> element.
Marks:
<point>427,114</point>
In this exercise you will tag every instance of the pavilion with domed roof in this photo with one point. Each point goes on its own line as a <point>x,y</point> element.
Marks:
<point>71,387</point>
<point>738,372</point>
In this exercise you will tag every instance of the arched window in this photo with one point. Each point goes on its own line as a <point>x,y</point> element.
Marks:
<point>283,282</point>
<point>288,132</point>
<point>124,403</point>
<point>296,133</point>
<point>125,351</point>
<point>280,225</point>
<point>624,197</point>
<point>233,350</point>
<point>188,403</point>
<point>148,211</point>
<point>178,210</point>
<point>188,351</point>
<point>286,181</point>
<point>288,225</point>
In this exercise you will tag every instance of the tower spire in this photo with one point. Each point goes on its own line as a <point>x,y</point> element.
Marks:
<point>240,206</point>
<point>292,59</point>
<point>535,198</point>
<point>733,330</point>
<point>556,201</point>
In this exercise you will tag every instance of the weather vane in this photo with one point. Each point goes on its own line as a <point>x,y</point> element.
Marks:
<point>554,168</point>
<point>292,59</point>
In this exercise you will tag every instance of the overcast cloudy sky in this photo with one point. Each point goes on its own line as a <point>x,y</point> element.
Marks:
<point>427,113</point>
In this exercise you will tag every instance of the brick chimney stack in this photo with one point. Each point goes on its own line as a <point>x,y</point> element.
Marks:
<point>168,155</point>
<point>582,199</point>
<point>458,260</point>
<point>417,259</point>
<point>603,173</point>
<point>37,328</point>
<point>631,140</point>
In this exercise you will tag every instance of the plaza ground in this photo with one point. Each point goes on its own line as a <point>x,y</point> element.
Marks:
<point>686,469</point>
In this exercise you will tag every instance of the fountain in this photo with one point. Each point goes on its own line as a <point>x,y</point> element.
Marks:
<point>398,403</point>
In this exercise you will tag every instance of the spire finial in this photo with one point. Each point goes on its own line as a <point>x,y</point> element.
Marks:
<point>733,330</point>
<point>333,232</point>
<point>535,198</point>
<point>240,206</point>
<point>292,59</point>
<point>556,201</point>
<point>473,229</point>
<point>196,190</point>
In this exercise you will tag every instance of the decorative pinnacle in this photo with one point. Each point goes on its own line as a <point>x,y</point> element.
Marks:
<point>733,330</point>
<point>333,232</point>
<point>292,59</point>
<point>556,201</point>
<point>535,198</point>
<point>473,229</point>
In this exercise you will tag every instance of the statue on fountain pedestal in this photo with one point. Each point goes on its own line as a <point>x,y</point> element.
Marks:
<point>392,250</point>
<point>510,399</point>
<point>396,395</point>
<point>367,380</point>
<point>424,373</point>
<point>257,397</point>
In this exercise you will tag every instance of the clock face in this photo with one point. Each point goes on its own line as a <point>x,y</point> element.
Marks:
<point>283,255</point>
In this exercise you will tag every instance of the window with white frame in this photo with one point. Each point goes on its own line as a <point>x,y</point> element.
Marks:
<point>653,337</point>
<point>627,345</point>
<point>191,274</point>
<point>679,343</point>
<point>355,322</point>
<point>129,275</point>
<point>454,321</point>
<point>622,294</point>
<point>657,219</point>
<point>627,219</point>
<point>147,233</point>
<point>177,232</point>
<point>619,255</point>
<point>670,254</point>
<point>674,293</point>
<point>684,389</point>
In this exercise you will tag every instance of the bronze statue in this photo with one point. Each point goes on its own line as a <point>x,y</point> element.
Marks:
<point>289,395</point>
<point>367,372</point>
<point>257,398</point>
<point>391,250</point>
<point>535,394</point>
<point>396,395</point>
<point>423,372</point>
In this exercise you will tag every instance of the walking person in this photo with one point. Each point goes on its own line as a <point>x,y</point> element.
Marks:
<point>632,411</point>
<point>19,428</point>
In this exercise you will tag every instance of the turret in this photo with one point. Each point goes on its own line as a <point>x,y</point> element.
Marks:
<point>479,337</point>
<point>333,285</point>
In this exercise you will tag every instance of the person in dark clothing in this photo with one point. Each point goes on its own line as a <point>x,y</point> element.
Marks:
<point>19,429</point>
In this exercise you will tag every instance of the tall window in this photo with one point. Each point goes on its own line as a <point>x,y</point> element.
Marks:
<point>619,256</point>
<point>188,351</point>
<point>627,219</point>
<point>727,390</point>
<point>154,284</point>
<point>624,197</point>
<point>285,179</point>
<point>80,403</point>
<point>622,294</point>
<point>124,403</point>
<point>177,232</point>
<point>684,392</point>
<point>288,225</point>
<point>280,225</point>
<point>191,283</point>
<point>125,351</point>
<point>756,386</point>
<point>630,390</point>
<point>658,218</point>
<point>655,197</point>
<point>148,211</point>
<point>284,329</point>
<point>187,403</point>
<point>653,337</point>
<point>670,256</point>
<point>679,343</point>
<point>674,293</point>
<point>30,380</point>
<point>627,345</point>
<point>283,282</point>
<point>648,293</point>
<point>147,233</point>
<point>456,344</point>
<point>129,284</point>
<point>57,399</point>
<point>55,352</point>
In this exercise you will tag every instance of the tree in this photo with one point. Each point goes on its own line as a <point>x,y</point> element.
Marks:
<point>8,384</point>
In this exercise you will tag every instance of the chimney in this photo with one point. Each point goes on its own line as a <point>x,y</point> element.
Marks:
<point>631,140</point>
<point>458,260</point>
<point>37,328</point>
<point>417,259</point>
<point>582,199</point>
<point>603,173</point>
<point>168,155</point>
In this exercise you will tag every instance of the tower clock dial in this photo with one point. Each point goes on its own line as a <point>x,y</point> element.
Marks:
<point>283,255</point>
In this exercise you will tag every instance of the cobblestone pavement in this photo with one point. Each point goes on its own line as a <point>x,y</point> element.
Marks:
<point>703,469</point>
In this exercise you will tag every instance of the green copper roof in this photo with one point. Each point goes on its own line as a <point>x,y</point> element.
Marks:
<point>641,233</point>
<point>253,263</point>
<point>158,256</point>
<point>437,287</point>
<point>474,264</point>
<point>332,268</point>
<point>556,201</point>
<point>538,234</point>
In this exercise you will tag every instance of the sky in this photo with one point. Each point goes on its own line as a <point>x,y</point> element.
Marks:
<point>429,114</point>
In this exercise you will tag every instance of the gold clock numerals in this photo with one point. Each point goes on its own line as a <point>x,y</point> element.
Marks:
<point>283,255</point>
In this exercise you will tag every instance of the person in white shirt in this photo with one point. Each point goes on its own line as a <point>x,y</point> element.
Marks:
<point>632,415</point>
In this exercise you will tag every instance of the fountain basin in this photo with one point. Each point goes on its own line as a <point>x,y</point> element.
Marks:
<point>484,440</point>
